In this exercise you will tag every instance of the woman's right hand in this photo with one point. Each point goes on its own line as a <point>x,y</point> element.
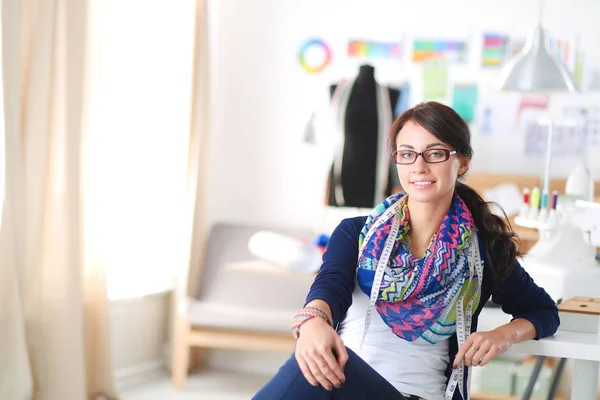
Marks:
<point>321,354</point>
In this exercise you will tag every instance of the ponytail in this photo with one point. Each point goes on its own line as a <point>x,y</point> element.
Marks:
<point>496,233</point>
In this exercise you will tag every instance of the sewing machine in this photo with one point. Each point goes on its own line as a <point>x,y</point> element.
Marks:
<point>563,261</point>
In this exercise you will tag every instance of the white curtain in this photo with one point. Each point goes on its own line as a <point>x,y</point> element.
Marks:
<point>53,307</point>
<point>67,126</point>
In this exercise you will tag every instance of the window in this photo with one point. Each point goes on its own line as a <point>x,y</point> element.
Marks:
<point>137,145</point>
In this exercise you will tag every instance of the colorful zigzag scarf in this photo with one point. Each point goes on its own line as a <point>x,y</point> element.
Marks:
<point>417,297</point>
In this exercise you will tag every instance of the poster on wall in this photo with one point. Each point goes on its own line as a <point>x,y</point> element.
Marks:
<point>590,117</point>
<point>435,80</point>
<point>314,55</point>
<point>464,100</point>
<point>372,50</point>
<point>563,48</point>
<point>568,140</point>
<point>496,114</point>
<point>503,114</point>
<point>448,50</point>
<point>530,101</point>
<point>592,126</point>
<point>494,49</point>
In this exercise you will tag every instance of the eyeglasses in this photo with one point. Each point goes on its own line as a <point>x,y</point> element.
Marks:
<point>431,156</point>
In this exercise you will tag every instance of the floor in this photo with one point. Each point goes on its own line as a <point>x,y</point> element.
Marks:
<point>207,385</point>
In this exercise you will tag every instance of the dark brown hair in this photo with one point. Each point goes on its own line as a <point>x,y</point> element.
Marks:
<point>444,123</point>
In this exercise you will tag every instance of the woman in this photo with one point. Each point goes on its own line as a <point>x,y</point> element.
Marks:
<point>428,260</point>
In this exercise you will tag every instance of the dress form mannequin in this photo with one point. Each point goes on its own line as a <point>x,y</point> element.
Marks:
<point>360,149</point>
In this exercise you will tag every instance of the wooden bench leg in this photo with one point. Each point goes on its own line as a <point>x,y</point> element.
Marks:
<point>198,357</point>
<point>180,360</point>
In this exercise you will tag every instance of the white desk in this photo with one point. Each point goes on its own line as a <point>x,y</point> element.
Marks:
<point>583,348</point>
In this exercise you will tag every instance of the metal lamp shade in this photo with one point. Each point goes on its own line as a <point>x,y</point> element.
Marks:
<point>534,69</point>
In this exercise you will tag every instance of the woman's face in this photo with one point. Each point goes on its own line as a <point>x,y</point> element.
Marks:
<point>427,182</point>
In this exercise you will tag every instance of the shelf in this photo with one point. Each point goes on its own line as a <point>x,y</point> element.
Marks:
<point>532,223</point>
<point>526,233</point>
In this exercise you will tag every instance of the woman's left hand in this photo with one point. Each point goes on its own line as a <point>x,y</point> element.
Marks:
<point>481,347</point>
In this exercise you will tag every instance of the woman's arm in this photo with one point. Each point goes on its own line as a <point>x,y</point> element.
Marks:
<point>523,299</point>
<point>320,352</point>
<point>322,305</point>
<point>535,315</point>
<point>334,283</point>
<point>481,347</point>
<point>517,331</point>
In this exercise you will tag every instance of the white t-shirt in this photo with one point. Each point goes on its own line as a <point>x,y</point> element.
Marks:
<point>415,368</point>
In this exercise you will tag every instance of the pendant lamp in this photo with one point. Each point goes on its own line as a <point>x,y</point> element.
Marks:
<point>534,69</point>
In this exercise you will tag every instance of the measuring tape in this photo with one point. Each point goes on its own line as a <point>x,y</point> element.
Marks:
<point>463,317</point>
<point>383,261</point>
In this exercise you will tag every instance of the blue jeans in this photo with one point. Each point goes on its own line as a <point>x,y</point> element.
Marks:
<point>362,383</point>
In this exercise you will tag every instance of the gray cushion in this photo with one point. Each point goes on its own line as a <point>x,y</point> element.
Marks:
<point>230,298</point>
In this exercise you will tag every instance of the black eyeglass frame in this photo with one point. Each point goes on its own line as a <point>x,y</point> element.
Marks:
<point>447,152</point>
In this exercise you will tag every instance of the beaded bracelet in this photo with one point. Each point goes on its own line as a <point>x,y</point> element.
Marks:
<point>304,315</point>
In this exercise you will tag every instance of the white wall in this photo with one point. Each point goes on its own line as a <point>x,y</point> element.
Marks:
<point>139,333</point>
<point>260,169</point>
